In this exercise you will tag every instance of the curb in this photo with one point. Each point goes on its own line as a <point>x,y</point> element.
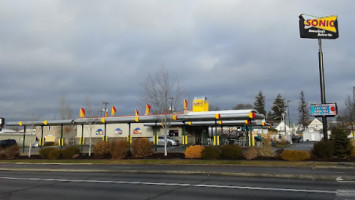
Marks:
<point>234,174</point>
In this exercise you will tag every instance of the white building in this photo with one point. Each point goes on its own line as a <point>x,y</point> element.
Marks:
<point>312,134</point>
<point>281,130</point>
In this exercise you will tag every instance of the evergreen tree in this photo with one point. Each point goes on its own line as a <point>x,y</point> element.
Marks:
<point>279,107</point>
<point>270,118</point>
<point>342,145</point>
<point>303,111</point>
<point>259,103</point>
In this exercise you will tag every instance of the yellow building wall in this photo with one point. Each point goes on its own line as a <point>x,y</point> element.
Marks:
<point>200,105</point>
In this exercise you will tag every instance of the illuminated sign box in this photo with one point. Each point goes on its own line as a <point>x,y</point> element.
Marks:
<point>318,27</point>
<point>320,110</point>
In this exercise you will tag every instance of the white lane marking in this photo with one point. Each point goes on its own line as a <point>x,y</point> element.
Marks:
<point>173,184</point>
<point>266,188</point>
<point>341,180</point>
<point>346,193</point>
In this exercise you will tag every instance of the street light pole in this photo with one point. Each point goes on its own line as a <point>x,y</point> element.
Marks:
<point>288,114</point>
<point>171,104</point>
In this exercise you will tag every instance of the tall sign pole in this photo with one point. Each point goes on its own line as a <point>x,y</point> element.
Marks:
<point>322,87</point>
<point>319,28</point>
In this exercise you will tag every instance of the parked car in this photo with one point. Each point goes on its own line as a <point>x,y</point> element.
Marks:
<point>7,143</point>
<point>297,138</point>
<point>170,141</point>
<point>35,144</point>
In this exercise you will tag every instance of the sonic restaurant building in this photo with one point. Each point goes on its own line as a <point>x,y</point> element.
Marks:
<point>198,126</point>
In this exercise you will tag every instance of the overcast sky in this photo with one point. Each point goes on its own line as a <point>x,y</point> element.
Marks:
<point>226,50</point>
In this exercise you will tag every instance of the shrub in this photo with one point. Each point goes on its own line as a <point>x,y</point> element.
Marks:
<point>251,154</point>
<point>142,148</point>
<point>55,154</point>
<point>194,151</point>
<point>101,149</point>
<point>46,144</point>
<point>295,155</point>
<point>2,153</point>
<point>342,146</point>
<point>268,137</point>
<point>323,149</point>
<point>278,152</point>
<point>12,152</point>
<point>211,153</point>
<point>45,151</point>
<point>266,150</point>
<point>353,150</point>
<point>70,151</point>
<point>119,149</point>
<point>231,151</point>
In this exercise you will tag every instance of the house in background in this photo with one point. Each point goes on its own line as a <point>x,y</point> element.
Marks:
<point>314,131</point>
<point>316,124</point>
<point>312,135</point>
<point>281,131</point>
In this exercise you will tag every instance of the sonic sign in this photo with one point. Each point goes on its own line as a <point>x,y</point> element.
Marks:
<point>318,27</point>
<point>320,110</point>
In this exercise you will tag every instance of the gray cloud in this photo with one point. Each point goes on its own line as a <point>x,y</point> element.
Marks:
<point>225,50</point>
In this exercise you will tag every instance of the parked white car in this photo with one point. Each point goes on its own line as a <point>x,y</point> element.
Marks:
<point>170,141</point>
<point>35,144</point>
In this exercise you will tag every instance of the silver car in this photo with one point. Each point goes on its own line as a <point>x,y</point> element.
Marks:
<point>170,141</point>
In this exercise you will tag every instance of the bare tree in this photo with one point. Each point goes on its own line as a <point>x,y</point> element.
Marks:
<point>65,111</point>
<point>213,107</point>
<point>161,93</point>
<point>348,113</point>
<point>243,106</point>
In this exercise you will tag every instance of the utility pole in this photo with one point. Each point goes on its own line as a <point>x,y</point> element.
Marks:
<point>105,110</point>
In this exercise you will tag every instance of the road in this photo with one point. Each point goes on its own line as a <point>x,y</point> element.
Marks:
<point>56,185</point>
<point>345,171</point>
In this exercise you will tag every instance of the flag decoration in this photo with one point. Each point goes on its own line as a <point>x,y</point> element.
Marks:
<point>217,116</point>
<point>174,117</point>
<point>106,114</point>
<point>45,122</point>
<point>113,111</point>
<point>147,109</point>
<point>20,123</point>
<point>189,123</point>
<point>136,119</point>
<point>247,122</point>
<point>82,112</point>
<point>220,122</point>
<point>103,120</point>
<point>185,104</point>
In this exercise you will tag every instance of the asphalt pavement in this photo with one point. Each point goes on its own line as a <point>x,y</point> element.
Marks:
<point>343,171</point>
<point>71,185</point>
